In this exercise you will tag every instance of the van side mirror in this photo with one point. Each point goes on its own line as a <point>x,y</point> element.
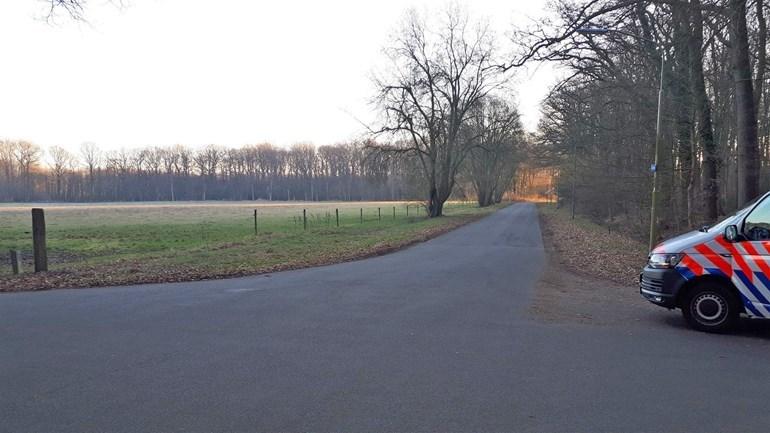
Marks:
<point>731,233</point>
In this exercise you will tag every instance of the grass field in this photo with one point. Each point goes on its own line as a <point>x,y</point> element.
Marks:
<point>122,243</point>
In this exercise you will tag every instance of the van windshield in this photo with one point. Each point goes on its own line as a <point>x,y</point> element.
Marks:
<point>729,220</point>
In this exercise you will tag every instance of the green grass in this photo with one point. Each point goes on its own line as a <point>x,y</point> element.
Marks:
<point>139,242</point>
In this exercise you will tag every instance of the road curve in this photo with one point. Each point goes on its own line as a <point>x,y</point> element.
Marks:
<point>437,337</point>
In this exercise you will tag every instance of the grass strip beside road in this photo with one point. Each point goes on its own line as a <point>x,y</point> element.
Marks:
<point>120,245</point>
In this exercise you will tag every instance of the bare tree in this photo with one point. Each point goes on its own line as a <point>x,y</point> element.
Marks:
<point>27,156</point>
<point>170,158</point>
<point>703,118</point>
<point>7,169</point>
<point>62,161</point>
<point>74,9</point>
<point>497,132</point>
<point>92,157</point>
<point>437,76</point>
<point>747,140</point>
<point>207,161</point>
<point>302,164</point>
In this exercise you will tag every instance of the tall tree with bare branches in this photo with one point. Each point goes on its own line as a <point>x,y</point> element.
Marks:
<point>496,129</point>
<point>62,161</point>
<point>439,72</point>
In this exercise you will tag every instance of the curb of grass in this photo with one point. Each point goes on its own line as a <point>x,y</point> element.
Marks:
<point>64,280</point>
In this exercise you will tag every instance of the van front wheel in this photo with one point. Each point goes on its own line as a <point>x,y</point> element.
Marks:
<point>710,307</point>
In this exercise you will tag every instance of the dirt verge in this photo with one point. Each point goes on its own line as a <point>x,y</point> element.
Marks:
<point>590,275</point>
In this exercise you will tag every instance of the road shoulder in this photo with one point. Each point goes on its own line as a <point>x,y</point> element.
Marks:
<point>589,276</point>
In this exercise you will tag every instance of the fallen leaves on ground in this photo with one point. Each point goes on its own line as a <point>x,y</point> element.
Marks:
<point>590,249</point>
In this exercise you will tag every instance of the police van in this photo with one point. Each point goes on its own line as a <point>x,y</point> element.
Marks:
<point>716,274</point>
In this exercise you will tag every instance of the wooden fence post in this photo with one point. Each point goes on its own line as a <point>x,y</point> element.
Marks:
<point>15,261</point>
<point>394,212</point>
<point>407,211</point>
<point>379,215</point>
<point>337,213</point>
<point>362,215</point>
<point>304,219</point>
<point>38,240</point>
<point>256,224</point>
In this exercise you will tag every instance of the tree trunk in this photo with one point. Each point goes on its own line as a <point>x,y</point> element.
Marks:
<point>761,52</point>
<point>705,129</point>
<point>683,99</point>
<point>746,115</point>
<point>432,202</point>
<point>435,206</point>
<point>438,196</point>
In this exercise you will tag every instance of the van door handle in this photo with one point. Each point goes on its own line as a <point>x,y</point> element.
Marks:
<point>726,255</point>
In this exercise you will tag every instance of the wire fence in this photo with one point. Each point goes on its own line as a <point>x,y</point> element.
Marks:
<point>346,217</point>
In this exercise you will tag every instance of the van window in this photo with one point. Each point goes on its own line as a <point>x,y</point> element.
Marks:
<point>720,226</point>
<point>757,226</point>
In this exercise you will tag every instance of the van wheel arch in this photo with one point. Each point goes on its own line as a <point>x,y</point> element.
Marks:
<point>710,289</point>
<point>719,279</point>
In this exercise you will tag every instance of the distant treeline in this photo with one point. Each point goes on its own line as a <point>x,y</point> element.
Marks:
<point>264,171</point>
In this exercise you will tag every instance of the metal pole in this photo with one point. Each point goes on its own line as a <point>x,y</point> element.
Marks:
<point>574,174</point>
<point>654,205</point>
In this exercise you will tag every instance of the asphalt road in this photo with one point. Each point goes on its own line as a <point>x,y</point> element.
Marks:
<point>438,337</point>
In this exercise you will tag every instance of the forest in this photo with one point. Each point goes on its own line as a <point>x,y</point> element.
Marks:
<point>707,62</point>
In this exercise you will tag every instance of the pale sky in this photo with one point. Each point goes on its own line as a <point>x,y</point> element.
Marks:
<point>195,72</point>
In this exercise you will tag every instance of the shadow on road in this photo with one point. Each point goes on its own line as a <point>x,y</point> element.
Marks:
<point>749,328</point>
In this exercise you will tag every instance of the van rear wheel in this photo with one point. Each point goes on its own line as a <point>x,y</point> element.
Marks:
<point>711,307</point>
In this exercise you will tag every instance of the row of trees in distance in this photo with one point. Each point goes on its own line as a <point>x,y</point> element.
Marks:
<point>349,171</point>
<point>263,171</point>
